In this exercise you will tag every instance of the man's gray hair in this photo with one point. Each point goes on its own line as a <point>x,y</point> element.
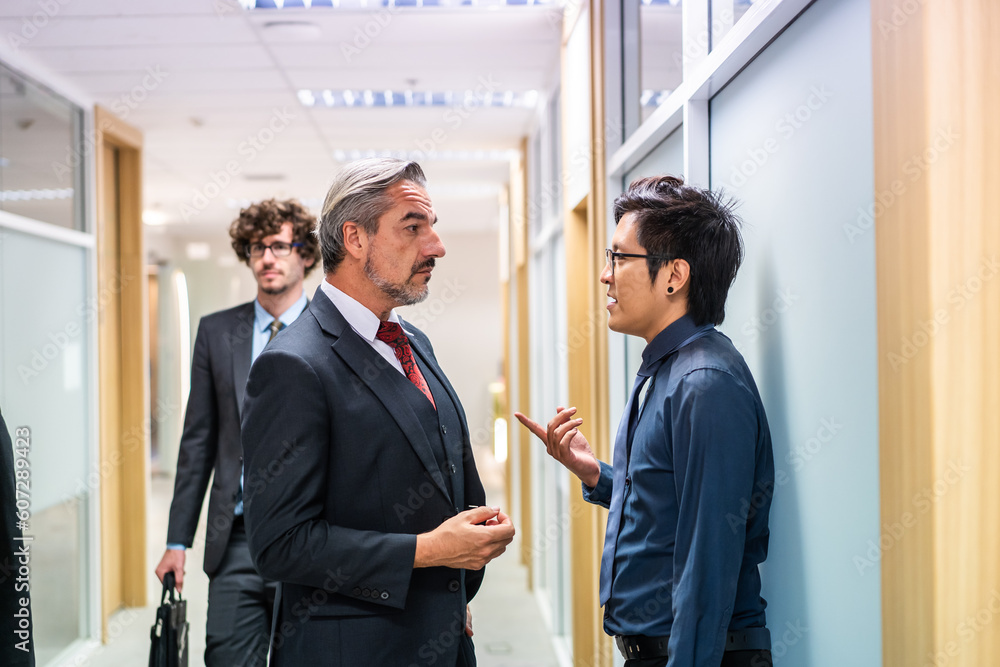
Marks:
<point>358,194</point>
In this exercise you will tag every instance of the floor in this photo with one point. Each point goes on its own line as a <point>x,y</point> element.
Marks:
<point>510,630</point>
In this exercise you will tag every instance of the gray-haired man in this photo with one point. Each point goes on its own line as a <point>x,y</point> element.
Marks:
<point>347,419</point>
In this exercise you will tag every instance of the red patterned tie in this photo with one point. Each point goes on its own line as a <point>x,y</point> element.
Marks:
<point>392,334</point>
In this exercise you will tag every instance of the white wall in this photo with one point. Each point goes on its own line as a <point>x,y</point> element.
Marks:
<point>791,137</point>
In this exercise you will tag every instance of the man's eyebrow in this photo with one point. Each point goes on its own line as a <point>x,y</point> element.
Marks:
<point>418,215</point>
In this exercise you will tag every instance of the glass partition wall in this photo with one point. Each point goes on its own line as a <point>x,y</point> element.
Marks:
<point>47,387</point>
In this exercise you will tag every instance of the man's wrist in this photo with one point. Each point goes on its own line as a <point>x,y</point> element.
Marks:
<point>592,477</point>
<point>422,555</point>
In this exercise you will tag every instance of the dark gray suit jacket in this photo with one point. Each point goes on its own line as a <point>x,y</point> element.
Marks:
<point>211,437</point>
<point>340,478</point>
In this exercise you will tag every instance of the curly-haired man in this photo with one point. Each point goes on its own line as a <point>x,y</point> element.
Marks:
<point>276,240</point>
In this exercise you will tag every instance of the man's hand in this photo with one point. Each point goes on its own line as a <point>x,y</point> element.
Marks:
<point>468,621</point>
<point>564,442</point>
<point>460,542</point>
<point>172,561</point>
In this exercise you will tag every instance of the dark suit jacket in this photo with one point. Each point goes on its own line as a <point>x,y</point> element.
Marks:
<point>12,591</point>
<point>340,478</point>
<point>211,438</point>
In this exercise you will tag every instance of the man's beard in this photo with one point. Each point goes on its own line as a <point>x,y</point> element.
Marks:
<point>403,294</point>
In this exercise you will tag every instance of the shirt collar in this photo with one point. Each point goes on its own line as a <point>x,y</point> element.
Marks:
<point>364,322</point>
<point>674,337</point>
<point>262,319</point>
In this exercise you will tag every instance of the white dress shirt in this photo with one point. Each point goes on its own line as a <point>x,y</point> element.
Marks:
<point>364,322</point>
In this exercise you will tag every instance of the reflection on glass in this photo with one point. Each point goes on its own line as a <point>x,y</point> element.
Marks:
<point>40,155</point>
<point>726,14</point>
<point>661,53</point>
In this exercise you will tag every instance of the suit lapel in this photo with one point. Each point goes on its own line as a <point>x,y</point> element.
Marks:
<point>430,363</point>
<point>376,373</point>
<point>242,348</point>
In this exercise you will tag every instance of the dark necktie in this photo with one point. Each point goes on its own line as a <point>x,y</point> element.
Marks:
<point>620,485</point>
<point>392,334</point>
<point>276,326</point>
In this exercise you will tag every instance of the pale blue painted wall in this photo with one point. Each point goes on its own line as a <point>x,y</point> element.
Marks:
<point>791,138</point>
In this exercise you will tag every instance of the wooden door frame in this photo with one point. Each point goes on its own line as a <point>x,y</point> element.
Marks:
<point>124,429</point>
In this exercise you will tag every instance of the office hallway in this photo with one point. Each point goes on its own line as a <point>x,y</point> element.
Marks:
<point>509,628</point>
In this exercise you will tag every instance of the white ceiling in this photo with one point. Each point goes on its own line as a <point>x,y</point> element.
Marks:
<point>200,77</point>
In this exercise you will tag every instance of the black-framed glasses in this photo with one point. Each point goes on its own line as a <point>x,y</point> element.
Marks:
<point>278,249</point>
<point>612,257</point>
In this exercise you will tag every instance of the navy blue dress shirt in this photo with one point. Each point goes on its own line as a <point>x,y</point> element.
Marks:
<point>689,494</point>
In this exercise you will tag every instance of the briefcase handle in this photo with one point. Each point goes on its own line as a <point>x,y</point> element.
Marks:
<point>169,588</point>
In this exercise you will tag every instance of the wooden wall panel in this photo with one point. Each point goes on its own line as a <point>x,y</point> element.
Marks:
<point>936,68</point>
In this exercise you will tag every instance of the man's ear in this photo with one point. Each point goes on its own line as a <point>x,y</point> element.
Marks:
<point>677,275</point>
<point>355,240</point>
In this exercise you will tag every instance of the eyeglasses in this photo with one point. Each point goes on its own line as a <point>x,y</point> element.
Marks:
<point>278,249</point>
<point>612,257</point>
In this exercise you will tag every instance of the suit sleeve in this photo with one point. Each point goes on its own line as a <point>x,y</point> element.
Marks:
<point>286,449</point>
<point>714,473</point>
<point>199,445</point>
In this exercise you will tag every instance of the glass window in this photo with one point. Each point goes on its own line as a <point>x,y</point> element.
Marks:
<point>661,53</point>
<point>44,389</point>
<point>726,14</point>
<point>41,156</point>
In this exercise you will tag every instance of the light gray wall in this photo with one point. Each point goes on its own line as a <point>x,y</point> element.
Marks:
<point>791,137</point>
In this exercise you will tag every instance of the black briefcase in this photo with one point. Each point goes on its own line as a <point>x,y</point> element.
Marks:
<point>169,635</point>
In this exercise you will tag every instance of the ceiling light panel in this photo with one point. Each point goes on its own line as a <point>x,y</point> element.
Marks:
<point>410,98</point>
<point>362,5</point>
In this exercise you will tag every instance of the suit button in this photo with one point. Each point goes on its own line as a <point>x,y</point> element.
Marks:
<point>385,595</point>
<point>357,591</point>
<point>453,585</point>
<point>366,592</point>
<point>374,593</point>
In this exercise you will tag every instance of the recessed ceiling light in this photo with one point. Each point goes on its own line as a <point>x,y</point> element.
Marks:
<point>349,155</point>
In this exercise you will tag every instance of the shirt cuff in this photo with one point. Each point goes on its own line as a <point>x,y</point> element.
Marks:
<point>601,493</point>
<point>178,547</point>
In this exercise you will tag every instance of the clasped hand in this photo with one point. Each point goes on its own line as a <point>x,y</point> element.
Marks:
<point>469,540</point>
